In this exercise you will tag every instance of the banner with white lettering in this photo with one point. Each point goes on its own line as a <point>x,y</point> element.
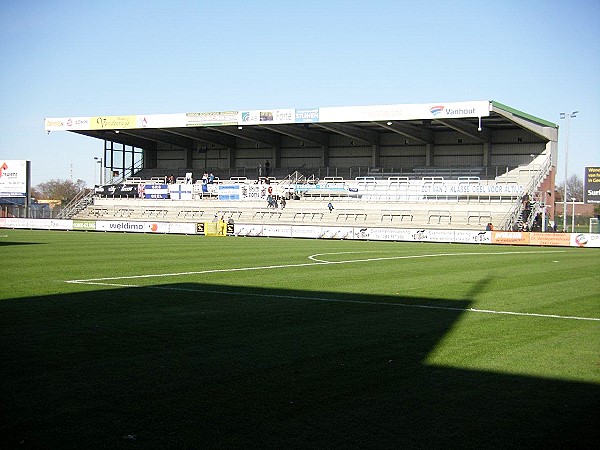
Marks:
<point>591,185</point>
<point>117,191</point>
<point>156,191</point>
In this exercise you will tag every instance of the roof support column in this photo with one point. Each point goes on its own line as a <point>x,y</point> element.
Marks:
<point>375,153</point>
<point>150,158</point>
<point>189,155</point>
<point>428,155</point>
<point>276,157</point>
<point>231,158</point>
<point>487,151</point>
<point>325,156</point>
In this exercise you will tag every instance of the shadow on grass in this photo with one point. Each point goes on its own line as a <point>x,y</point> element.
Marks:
<point>210,366</point>
<point>8,243</point>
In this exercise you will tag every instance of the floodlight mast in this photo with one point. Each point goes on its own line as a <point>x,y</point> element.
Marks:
<point>566,117</point>
<point>573,216</point>
<point>99,161</point>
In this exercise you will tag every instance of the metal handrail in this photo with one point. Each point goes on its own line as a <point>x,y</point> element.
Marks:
<point>78,203</point>
<point>511,216</point>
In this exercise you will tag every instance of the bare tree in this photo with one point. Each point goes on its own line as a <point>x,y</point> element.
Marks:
<point>64,190</point>
<point>574,189</point>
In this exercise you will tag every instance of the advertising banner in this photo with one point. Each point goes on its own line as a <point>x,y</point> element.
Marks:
<point>585,240</point>
<point>307,232</point>
<point>88,225</point>
<point>405,112</point>
<point>337,233</point>
<point>277,231</point>
<point>244,191</point>
<point>510,238</point>
<point>591,185</point>
<point>440,236</point>
<point>146,227</point>
<point>307,115</point>
<point>384,234</point>
<point>266,116</point>
<point>156,191</point>
<point>255,191</point>
<point>229,192</point>
<point>112,122</point>
<point>13,178</point>
<point>211,118</point>
<point>40,224</point>
<point>117,191</point>
<point>67,123</point>
<point>248,230</point>
<point>550,239</point>
<point>473,237</point>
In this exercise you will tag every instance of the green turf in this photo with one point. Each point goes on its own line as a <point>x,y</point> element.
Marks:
<point>386,352</point>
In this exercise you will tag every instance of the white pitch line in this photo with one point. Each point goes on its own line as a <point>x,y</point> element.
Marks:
<point>316,262</point>
<point>358,302</point>
<point>102,282</point>
<point>313,257</point>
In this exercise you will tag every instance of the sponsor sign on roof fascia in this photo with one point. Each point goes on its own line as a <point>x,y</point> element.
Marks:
<point>67,123</point>
<point>405,112</point>
<point>423,111</point>
<point>266,116</point>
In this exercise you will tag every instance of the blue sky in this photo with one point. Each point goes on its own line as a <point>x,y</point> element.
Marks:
<point>74,58</point>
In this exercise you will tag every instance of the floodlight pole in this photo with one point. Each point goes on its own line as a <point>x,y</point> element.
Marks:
<point>573,216</point>
<point>544,213</point>
<point>566,117</point>
<point>99,161</point>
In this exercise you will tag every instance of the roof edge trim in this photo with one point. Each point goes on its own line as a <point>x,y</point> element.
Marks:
<point>522,114</point>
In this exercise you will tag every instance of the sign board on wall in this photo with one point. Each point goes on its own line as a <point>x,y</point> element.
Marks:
<point>13,178</point>
<point>591,185</point>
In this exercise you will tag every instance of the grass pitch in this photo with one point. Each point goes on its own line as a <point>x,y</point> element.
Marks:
<point>160,341</point>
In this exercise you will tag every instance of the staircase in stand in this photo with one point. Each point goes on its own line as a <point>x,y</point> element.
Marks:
<point>78,204</point>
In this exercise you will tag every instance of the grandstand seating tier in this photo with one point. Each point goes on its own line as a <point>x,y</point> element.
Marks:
<point>381,214</point>
<point>437,197</point>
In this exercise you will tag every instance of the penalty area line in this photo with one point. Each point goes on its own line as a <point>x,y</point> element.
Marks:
<point>313,258</point>
<point>339,300</point>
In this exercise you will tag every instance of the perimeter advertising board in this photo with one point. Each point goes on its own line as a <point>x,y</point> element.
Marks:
<point>585,240</point>
<point>146,227</point>
<point>37,224</point>
<point>302,231</point>
<point>13,178</point>
<point>591,185</point>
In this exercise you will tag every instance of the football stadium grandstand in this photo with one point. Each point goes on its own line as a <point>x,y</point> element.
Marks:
<point>462,165</point>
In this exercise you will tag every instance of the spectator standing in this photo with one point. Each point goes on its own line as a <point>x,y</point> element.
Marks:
<point>267,168</point>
